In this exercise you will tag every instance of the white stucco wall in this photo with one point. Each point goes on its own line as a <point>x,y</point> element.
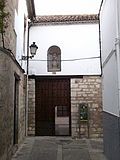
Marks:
<point>110,87</point>
<point>108,27</point>
<point>75,41</point>
<point>19,30</point>
<point>108,23</point>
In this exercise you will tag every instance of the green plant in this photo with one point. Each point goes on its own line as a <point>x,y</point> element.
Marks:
<point>3,19</point>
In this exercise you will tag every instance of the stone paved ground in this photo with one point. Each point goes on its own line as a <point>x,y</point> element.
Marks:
<point>60,148</point>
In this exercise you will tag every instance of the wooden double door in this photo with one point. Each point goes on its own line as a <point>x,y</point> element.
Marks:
<point>52,93</point>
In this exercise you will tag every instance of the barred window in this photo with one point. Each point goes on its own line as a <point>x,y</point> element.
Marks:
<point>62,111</point>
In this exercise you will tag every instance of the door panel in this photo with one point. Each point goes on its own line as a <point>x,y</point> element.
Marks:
<point>50,93</point>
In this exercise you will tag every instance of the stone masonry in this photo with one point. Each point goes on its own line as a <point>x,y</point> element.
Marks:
<point>10,34</point>
<point>31,107</point>
<point>87,90</point>
<point>8,68</point>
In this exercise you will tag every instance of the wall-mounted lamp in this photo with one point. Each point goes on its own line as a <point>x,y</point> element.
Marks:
<point>33,49</point>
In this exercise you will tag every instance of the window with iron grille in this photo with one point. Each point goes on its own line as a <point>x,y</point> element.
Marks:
<point>62,111</point>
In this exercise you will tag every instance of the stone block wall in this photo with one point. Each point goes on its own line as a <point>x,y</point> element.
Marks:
<point>8,68</point>
<point>87,90</point>
<point>10,34</point>
<point>31,107</point>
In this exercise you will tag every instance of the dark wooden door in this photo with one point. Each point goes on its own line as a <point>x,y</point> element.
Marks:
<point>50,93</point>
<point>16,101</point>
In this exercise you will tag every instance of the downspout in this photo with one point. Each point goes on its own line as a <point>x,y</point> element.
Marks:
<point>31,16</point>
<point>117,46</point>
<point>100,47</point>
<point>100,39</point>
<point>27,74</point>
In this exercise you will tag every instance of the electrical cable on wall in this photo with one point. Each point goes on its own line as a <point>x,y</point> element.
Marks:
<point>87,58</point>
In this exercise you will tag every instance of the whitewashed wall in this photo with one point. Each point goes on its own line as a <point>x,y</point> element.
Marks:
<point>19,29</point>
<point>108,23</point>
<point>108,27</point>
<point>75,41</point>
<point>110,87</point>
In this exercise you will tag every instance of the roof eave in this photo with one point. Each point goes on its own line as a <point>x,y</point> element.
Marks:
<point>31,9</point>
<point>66,19</point>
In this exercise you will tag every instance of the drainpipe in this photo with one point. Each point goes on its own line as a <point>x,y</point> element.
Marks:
<point>117,46</point>
<point>31,16</point>
<point>100,38</point>
<point>27,74</point>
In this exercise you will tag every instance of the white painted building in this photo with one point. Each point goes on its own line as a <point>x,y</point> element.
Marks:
<point>77,36</point>
<point>76,41</point>
<point>24,13</point>
<point>20,27</point>
<point>110,52</point>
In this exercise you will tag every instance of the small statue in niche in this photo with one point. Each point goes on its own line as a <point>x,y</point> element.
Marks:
<point>54,59</point>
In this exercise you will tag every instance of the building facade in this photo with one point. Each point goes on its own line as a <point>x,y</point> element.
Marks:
<point>110,50</point>
<point>45,96</point>
<point>12,78</point>
<point>67,102</point>
<point>58,98</point>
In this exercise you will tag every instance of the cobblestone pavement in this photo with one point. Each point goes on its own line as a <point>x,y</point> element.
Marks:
<point>60,148</point>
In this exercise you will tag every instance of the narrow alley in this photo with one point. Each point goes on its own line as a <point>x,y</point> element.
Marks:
<point>59,80</point>
<point>60,148</point>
